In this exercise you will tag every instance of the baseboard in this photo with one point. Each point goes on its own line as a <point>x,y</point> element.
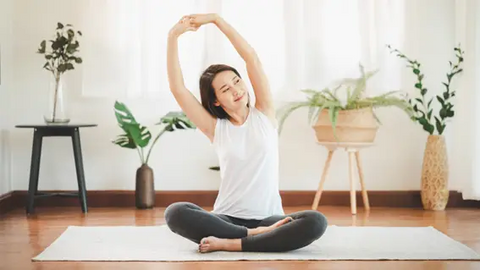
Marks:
<point>8,202</point>
<point>114,198</point>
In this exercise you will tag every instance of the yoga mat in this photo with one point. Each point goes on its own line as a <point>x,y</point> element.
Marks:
<point>158,243</point>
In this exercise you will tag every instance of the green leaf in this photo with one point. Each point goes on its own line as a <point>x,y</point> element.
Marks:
<point>59,26</point>
<point>441,100</point>
<point>439,125</point>
<point>443,113</point>
<point>429,128</point>
<point>333,114</point>
<point>423,91</point>
<point>419,100</point>
<point>71,34</point>
<point>445,95</point>
<point>416,71</point>
<point>138,133</point>
<point>176,120</point>
<point>78,60</point>
<point>286,110</point>
<point>415,108</point>
<point>429,103</point>
<point>422,120</point>
<point>429,115</point>
<point>418,85</point>
<point>125,141</point>
<point>309,92</point>
<point>62,68</point>
<point>123,114</point>
<point>312,112</point>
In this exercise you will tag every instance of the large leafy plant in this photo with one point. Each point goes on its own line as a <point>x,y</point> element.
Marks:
<point>138,136</point>
<point>422,105</point>
<point>60,55</point>
<point>353,98</point>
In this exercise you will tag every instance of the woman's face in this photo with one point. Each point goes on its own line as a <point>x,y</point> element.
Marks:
<point>230,90</point>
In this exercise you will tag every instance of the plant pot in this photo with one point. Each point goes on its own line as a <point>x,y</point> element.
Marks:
<point>434,190</point>
<point>353,126</point>
<point>144,188</point>
<point>56,112</point>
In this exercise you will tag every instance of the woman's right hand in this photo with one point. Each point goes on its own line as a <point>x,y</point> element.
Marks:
<point>183,25</point>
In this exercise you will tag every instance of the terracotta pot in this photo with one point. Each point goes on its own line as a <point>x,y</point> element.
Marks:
<point>144,188</point>
<point>434,191</point>
<point>357,126</point>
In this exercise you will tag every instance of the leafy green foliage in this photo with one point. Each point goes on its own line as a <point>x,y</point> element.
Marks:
<point>318,100</point>
<point>423,105</point>
<point>138,137</point>
<point>61,56</point>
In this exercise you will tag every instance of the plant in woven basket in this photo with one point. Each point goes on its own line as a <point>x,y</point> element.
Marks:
<point>435,171</point>
<point>354,97</point>
<point>423,105</point>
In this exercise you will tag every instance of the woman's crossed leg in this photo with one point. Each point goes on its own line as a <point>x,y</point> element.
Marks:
<point>219,232</point>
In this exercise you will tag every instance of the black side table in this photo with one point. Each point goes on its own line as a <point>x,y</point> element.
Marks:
<point>51,130</point>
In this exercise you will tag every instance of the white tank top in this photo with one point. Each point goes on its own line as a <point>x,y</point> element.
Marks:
<point>248,160</point>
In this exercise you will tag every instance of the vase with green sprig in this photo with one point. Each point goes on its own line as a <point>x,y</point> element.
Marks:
<point>345,114</point>
<point>61,56</point>
<point>137,136</point>
<point>434,178</point>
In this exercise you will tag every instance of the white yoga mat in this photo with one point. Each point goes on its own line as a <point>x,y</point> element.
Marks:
<point>158,243</point>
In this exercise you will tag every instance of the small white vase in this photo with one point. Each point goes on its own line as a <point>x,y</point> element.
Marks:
<point>57,112</point>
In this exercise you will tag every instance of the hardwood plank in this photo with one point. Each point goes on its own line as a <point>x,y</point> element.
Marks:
<point>22,237</point>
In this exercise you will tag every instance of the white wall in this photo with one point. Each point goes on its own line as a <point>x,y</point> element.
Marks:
<point>6,86</point>
<point>181,160</point>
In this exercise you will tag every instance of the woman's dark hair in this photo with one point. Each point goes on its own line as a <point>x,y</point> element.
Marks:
<point>207,92</point>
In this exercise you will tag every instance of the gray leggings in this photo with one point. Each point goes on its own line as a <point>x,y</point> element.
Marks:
<point>194,223</point>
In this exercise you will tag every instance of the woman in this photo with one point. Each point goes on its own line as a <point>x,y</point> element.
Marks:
<point>247,214</point>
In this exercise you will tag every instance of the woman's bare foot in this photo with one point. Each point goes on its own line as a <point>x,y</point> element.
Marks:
<point>209,244</point>
<point>272,227</point>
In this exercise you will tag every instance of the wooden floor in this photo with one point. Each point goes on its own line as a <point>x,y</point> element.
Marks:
<point>22,238</point>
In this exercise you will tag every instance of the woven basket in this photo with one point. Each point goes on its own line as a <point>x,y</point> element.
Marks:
<point>434,190</point>
<point>353,126</point>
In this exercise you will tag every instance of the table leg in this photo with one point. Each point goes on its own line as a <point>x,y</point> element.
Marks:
<point>77,152</point>
<point>353,201</point>
<point>360,174</point>
<point>34,169</point>
<point>322,181</point>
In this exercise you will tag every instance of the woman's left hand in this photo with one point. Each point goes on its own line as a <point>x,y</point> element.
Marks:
<point>201,19</point>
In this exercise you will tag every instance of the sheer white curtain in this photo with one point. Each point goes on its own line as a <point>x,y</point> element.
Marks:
<point>464,142</point>
<point>302,44</point>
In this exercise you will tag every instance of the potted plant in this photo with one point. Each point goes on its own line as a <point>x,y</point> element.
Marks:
<point>60,58</point>
<point>138,137</point>
<point>434,183</point>
<point>351,119</point>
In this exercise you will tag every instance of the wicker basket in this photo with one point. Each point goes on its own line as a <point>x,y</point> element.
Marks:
<point>434,190</point>
<point>353,126</point>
